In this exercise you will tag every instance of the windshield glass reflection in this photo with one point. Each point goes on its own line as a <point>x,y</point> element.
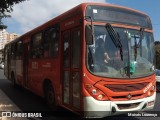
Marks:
<point>104,58</point>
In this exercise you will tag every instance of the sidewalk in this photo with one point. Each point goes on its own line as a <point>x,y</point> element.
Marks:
<point>7,106</point>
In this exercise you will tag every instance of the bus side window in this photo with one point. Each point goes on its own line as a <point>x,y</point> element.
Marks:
<point>37,46</point>
<point>50,43</point>
<point>13,51</point>
<point>19,49</point>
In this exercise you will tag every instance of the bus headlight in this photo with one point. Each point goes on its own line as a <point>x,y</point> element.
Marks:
<point>95,92</point>
<point>151,91</point>
<point>153,87</point>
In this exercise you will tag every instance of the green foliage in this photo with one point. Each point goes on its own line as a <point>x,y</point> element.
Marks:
<point>1,24</point>
<point>6,5</point>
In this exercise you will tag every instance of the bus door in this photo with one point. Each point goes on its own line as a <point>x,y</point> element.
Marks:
<point>25,64</point>
<point>71,80</point>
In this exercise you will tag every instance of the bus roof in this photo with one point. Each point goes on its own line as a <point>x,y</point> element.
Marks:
<point>79,9</point>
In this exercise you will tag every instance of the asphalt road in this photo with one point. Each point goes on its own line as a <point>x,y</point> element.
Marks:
<point>27,101</point>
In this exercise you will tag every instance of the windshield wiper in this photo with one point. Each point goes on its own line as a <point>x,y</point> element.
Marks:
<point>141,31</point>
<point>115,38</point>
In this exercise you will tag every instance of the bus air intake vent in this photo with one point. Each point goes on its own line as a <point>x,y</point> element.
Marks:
<point>122,97</point>
<point>127,106</point>
<point>126,87</point>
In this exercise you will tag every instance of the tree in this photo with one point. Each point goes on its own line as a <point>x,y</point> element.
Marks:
<point>6,7</point>
<point>1,24</point>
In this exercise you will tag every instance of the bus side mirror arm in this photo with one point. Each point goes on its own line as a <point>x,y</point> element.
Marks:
<point>89,35</point>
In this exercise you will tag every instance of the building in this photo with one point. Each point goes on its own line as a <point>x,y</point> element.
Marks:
<point>10,37</point>
<point>6,37</point>
<point>3,37</point>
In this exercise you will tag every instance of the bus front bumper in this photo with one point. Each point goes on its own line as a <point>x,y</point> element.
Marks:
<point>99,109</point>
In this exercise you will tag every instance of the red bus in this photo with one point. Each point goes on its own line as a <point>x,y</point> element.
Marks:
<point>97,58</point>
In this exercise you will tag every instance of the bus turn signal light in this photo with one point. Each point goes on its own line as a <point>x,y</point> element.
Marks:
<point>151,91</point>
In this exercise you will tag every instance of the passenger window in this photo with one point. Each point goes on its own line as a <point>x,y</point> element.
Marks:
<point>66,49</point>
<point>76,49</point>
<point>36,46</point>
<point>19,48</point>
<point>13,51</point>
<point>51,43</point>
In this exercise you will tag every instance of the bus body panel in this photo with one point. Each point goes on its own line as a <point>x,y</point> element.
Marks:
<point>94,108</point>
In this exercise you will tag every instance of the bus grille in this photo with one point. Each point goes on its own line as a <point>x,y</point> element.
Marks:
<point>127,106</point>
<point>124,97</point>
<point>126,87</point>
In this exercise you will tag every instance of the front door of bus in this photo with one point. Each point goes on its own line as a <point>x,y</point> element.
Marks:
<point>71,71</point>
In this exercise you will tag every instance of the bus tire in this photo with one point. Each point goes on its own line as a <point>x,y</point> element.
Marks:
<point>49,95</point>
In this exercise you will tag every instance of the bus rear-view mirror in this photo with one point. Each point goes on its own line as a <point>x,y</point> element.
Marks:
<point>89,35</point>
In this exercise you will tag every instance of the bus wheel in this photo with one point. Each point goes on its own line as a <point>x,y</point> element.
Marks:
<point>49,95</point>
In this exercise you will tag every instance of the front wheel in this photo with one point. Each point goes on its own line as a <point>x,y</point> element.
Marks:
<point>50,96</point>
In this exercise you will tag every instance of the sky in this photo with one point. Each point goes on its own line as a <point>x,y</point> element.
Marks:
<point>32,13</point>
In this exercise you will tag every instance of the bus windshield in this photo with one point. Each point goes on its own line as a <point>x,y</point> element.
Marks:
<point>104,58</point>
